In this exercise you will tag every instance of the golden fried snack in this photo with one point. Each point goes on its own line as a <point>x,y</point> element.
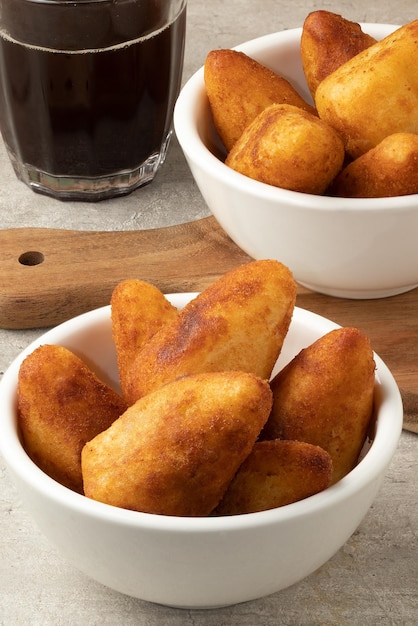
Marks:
<point>289,148</point>
<point>276,473</point>
<point>61,405</point>
<point>374,94</point>
<point>329,40</point>
<point>389,169</point>
<point>138,310</point>
<point>324,396</point>
<point>237,323</point>
<point>175,451</point>
<point>239,88</point>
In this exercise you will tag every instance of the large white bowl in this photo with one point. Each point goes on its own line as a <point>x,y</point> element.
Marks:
<point>195,562</point>
<point>354,248</point>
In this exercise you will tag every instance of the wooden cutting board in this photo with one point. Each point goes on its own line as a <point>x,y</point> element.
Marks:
<point>48,276</point>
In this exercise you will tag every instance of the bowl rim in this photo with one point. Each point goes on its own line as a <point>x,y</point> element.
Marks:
<point>370,468</point>
<point>188,113</point>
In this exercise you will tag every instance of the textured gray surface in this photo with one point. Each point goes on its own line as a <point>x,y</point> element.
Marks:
<point>374,578</point>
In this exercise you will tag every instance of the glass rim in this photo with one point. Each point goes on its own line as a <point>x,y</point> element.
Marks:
<point>85,2</point>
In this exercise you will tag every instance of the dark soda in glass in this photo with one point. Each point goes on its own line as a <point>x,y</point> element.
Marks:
<point>87,92</point>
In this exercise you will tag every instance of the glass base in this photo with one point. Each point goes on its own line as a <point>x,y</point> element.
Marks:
<point>91,188</point>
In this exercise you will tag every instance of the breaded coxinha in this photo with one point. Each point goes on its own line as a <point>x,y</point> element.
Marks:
<point>62,405</point>
<point>276,473</point>
<point>175,451</point>
<point>323,32</point>
<point>239,88</point>
<point>324,396</point>
<point>289,148</point>
<point>374,94</point>
<point>138,311</point>
<point>390,169</point>
<point>237,323</point>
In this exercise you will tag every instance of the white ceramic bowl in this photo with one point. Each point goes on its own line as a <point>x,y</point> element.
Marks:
<point>195,562</point>
<point>354,248</point>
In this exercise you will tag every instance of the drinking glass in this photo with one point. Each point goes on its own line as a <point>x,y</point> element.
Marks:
<point>87,91</point>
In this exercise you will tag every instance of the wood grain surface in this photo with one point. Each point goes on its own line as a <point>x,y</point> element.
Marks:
<point>51,275</point>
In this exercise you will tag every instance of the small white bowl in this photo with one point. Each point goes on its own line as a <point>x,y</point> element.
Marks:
<point>195,562</point>
<point>354,248</point>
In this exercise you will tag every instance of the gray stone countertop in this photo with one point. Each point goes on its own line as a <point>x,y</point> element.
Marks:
<point>373,579</point>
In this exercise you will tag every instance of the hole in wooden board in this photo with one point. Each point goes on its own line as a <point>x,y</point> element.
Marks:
<point>31,258</point>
